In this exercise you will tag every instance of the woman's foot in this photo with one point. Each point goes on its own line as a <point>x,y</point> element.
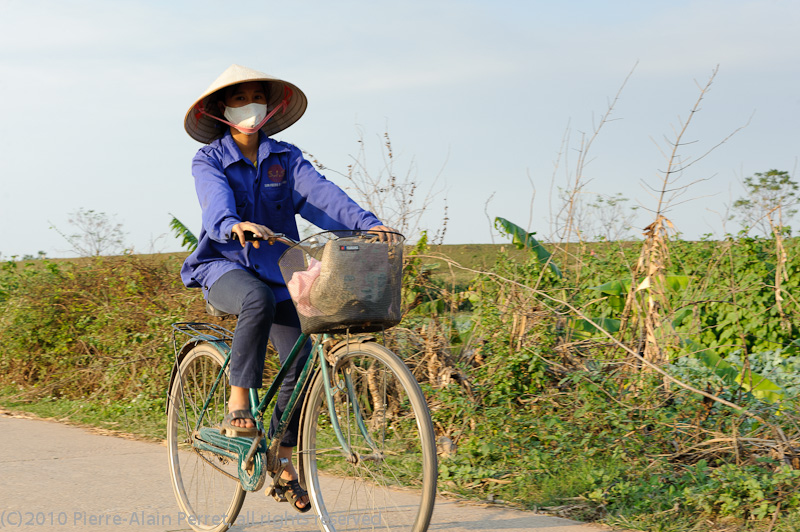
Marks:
<point>242,422</point>
<point>231,424</point>
<point>289,474</point>
<point>239,421</point>
<point>240,400</point>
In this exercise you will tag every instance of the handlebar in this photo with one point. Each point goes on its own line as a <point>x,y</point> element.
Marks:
<point>249,236</point>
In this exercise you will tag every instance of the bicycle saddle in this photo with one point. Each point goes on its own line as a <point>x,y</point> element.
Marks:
<point>217,313</point>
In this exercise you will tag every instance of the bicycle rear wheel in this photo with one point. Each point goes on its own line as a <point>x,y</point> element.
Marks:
<point>205,484</point>
<point>385,420</point>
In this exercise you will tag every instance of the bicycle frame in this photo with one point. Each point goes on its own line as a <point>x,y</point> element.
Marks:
<point>210,439</point>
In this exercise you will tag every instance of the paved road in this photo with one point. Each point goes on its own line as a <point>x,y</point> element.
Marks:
<point>59,477</point>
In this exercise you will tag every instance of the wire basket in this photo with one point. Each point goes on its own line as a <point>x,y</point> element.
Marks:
<point>345,280</point>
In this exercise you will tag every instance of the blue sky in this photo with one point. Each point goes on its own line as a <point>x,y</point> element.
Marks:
<point>477,97</point>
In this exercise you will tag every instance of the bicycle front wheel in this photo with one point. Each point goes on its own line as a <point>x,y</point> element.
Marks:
<point>389,480</point>
<point>206,484</point>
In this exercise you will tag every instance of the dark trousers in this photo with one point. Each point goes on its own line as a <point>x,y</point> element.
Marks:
<point>261,319</point>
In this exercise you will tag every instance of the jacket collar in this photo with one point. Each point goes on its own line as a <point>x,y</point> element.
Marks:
<point>232,154</point>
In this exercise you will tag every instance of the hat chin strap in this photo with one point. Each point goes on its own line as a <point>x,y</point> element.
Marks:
<point>287,94</point>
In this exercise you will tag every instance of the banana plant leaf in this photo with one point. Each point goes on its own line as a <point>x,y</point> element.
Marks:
<point>585,326</point>
<point>188,240</point>
<point>758,385</point>
<point>617,291</point>
<point>524,240</point>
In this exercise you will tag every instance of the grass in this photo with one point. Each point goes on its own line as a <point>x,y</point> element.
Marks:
<point>474,256</point>
<point>142,418</point>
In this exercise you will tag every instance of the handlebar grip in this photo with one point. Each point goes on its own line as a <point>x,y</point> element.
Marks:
<point>250,236</point>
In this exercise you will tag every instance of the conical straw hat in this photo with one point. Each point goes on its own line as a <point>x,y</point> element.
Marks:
<point>205,129</point>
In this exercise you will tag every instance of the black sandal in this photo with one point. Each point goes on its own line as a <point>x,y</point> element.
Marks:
<point>292,491</point>
<point>226,428</point>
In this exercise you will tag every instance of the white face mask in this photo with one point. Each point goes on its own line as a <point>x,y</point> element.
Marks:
<point>247,116</point>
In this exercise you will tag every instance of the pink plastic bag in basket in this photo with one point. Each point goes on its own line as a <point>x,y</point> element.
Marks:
<point>300,288</point>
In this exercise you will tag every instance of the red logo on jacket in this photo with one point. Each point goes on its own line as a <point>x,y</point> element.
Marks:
<point>276,173</point>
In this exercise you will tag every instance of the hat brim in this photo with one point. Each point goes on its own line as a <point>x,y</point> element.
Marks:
<point>205,129</point>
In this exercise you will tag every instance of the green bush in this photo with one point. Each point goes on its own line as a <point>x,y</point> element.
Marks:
<point>91,326</point>
<point>754,491</point>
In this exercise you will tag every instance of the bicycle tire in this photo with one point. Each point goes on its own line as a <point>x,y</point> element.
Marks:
<point>207,495</point>
<point>396,490</point>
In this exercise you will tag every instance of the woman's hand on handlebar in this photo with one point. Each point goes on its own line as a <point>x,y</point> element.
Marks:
<point>384,233</point>
<point>261,232</point>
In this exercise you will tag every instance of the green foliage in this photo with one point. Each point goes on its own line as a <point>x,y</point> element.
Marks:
<point>616,292</point>
<point>733,375</point>
<point>188,240</point>
<point>722,294</point>
<point>561,420</point>
<point>524,240</point>
<point>736,308</point>
<point>93,326</point>
<point>747,492</point>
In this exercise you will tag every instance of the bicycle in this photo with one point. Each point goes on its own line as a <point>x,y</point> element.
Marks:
<point>364,420</point>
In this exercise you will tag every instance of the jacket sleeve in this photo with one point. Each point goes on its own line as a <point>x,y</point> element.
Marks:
<point>323,203</point>
<point>217,200</point>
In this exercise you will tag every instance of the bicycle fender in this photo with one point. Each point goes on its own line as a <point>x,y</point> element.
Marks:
<point>343,344</point>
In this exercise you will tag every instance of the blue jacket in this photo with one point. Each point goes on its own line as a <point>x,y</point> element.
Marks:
<point>231,190</point>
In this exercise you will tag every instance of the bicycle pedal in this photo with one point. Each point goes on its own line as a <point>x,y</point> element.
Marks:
<point>276,494</point>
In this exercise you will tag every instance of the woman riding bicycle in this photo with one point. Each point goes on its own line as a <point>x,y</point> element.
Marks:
<point>247,181</point>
